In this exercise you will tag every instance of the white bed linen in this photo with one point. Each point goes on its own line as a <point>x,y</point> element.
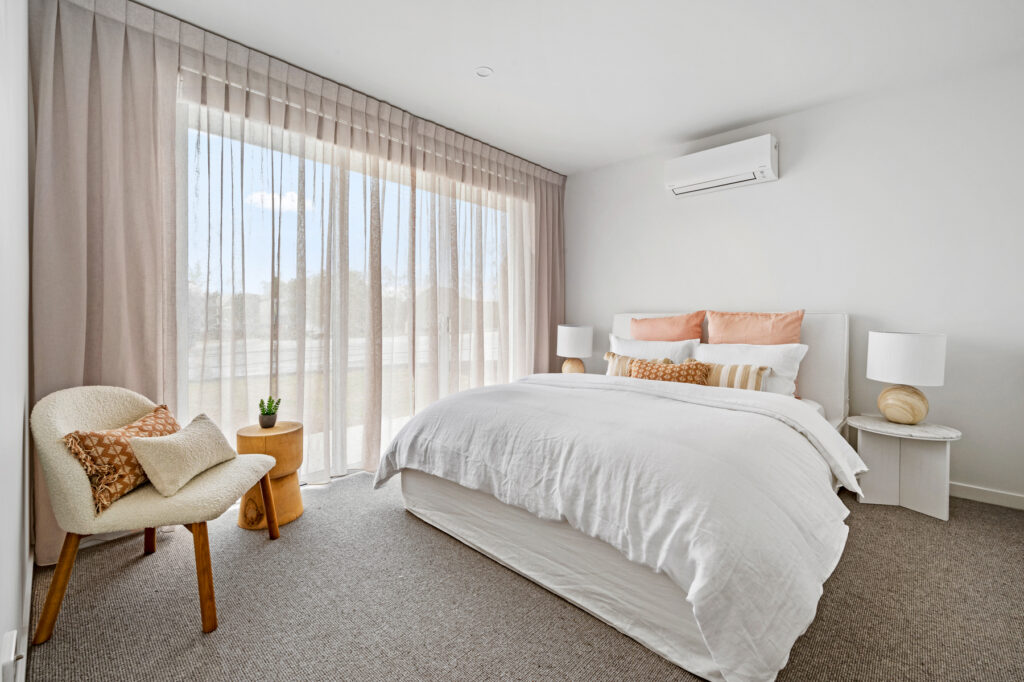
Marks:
<point>585,571</point>
<point>726,491</point>
<point>817,406</point>
<point>836,423</point>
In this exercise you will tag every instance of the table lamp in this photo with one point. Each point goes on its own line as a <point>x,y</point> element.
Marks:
<point>575,341</point>
<point>906,360</point>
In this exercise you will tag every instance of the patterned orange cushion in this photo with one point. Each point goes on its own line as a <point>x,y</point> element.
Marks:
<point>108,458</point>
<point>686,372</point>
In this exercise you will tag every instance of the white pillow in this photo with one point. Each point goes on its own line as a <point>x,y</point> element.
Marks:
<point>172,461</point>
<point>784,359</point>
<point>676,351</point>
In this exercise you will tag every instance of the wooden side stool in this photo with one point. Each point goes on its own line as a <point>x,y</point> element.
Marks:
<point>284,443</point>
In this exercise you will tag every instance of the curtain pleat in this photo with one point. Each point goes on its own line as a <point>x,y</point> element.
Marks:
<point>454,327</point>
<point>374,389</point>
<point>211,224</point>
<point>431,318</point>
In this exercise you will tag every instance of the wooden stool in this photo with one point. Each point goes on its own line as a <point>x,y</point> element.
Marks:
<point>284,443</point>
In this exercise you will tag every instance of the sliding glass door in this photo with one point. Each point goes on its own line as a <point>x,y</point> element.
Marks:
<point>354,286</point>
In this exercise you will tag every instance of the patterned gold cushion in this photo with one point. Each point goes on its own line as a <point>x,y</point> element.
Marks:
<point>618,365</point>
<point>750,377</point>
<point>686,372</point>
<point>108,458</point>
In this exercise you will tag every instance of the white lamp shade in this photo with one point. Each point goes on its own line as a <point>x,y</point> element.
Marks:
<point>902,358</point>
<point>575,341</point>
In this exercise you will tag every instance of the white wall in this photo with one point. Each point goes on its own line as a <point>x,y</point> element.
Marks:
<point>14,291</point>
<point>905,210</point>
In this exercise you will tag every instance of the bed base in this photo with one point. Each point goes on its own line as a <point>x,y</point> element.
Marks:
<point>586,572</point>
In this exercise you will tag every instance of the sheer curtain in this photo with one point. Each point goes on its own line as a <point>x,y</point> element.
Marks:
<point>210,224</point>
<point>342,254</point>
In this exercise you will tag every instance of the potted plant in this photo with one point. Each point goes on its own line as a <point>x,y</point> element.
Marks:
<point>268,411</point>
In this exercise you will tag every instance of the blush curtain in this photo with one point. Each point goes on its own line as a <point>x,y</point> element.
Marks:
<point>104,86</point>
<point>211,224</point>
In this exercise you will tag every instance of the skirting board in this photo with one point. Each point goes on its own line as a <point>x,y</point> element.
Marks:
<point>26,618</point>
<point>989,495</point>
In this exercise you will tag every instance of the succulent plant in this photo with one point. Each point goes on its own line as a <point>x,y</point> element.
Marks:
<point>269,406</point>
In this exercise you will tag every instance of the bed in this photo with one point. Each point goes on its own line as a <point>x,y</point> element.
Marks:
<point>706,538</point>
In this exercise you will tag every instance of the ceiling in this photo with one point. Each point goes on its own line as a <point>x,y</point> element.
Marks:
<point>584,83</point>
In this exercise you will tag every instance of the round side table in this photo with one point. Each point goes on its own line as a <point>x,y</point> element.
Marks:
<point>908,464</point>
<point>284,443</point>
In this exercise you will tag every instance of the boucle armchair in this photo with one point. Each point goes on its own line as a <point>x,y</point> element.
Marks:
<point>204,498</point>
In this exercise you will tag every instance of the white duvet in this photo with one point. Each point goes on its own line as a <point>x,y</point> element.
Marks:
<point>728,492</point>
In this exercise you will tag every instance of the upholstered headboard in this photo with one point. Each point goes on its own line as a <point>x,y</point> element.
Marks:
<point>824,372</point>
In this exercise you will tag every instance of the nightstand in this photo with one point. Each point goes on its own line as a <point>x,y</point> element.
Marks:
<point>283,442</point>
<point>909,464</point>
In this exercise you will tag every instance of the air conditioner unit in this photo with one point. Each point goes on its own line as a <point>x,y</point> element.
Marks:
<point>733,165</point>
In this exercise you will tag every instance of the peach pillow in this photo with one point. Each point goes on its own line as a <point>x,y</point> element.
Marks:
<point>759,329</point>
<point>675,328</point>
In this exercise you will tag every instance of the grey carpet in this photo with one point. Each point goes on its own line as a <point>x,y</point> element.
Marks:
<point>357,589</point>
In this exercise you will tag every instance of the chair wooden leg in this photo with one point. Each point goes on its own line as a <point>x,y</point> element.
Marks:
<point>268,507</point>
<point>204,573</point>
<point>58,586</point>
<point>150,540</point>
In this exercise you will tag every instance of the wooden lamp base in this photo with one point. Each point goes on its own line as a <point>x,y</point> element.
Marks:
<point>903,404</point>
<point>573,366</point>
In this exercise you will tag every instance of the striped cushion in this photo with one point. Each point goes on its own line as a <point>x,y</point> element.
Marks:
<point>618,365</point>
<point>750,377</point>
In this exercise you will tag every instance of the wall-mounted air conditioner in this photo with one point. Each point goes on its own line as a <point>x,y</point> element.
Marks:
<point>733,165</point>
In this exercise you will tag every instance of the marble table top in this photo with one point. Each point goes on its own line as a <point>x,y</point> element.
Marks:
<point>922,431</point>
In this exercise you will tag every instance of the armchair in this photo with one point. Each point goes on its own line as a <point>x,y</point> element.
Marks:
<point>205,497</point>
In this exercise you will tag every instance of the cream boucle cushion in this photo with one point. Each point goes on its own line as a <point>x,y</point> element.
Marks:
<point>172,461</point>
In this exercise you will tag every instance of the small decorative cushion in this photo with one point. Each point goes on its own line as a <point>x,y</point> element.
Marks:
<point>672,328</point>
<point>174,460</point>
<point>108,458</point>
<point>686,373</point>
<point>750,377</point>
<point>676,351</point>
<point>618,365</point>
<point>762,329</point>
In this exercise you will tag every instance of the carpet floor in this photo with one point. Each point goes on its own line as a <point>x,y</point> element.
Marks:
<point>357,589</point>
